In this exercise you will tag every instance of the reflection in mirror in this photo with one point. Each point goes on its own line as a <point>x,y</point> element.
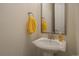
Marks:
<point>54,17</point>
<point>47,15</point>
<point>59,18</point>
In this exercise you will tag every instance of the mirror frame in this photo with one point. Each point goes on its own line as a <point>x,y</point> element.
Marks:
<point>53,28</point>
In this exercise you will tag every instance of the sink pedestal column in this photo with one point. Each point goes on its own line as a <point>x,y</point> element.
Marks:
<point>48,53</point>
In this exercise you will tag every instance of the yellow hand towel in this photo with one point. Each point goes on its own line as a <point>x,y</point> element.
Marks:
<point>44,25</point>
<point>31,28</point>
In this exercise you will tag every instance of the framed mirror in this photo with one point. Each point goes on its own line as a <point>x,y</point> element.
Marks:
<point>53,18</point>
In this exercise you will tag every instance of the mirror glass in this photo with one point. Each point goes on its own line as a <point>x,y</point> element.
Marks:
<point>48,15</point>
<point>59,18</point>
<point>53,18</point>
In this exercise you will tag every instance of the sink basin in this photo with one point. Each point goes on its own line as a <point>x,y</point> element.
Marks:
<point>50,44</point>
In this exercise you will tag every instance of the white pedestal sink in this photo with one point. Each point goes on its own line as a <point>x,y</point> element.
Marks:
<point>50,44</point>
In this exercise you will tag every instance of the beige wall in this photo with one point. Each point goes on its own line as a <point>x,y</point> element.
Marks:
<point>13,39</point>
<point>77,26</point>
<point>71,35</point>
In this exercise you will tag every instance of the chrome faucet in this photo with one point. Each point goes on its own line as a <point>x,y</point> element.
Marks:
<point>51,36</point>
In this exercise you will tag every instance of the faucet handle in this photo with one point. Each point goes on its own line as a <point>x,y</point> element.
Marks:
<point>50,36</point>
